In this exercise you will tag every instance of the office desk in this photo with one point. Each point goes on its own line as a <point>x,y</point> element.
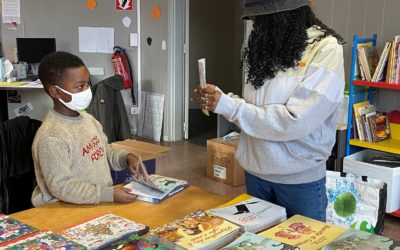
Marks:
<point>30,93</point>
<point>59,215</point>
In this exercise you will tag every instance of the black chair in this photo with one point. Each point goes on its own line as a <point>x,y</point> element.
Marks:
<point>17,177</point>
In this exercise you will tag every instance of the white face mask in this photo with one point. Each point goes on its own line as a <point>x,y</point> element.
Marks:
<point>78,101</point>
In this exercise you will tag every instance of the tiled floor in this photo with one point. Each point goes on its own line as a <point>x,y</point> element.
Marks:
<point>188,161</point>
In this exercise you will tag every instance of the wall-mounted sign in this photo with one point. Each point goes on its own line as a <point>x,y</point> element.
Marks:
<point>123,5</point>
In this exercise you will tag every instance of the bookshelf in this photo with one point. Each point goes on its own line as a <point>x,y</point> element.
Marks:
<point>391,145</point>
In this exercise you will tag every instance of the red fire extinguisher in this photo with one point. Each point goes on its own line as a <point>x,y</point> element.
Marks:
<point>122,66</point>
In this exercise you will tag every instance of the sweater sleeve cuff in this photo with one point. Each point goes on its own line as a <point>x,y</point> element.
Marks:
<point>122,164</point>
<point>225,106</point>
<point>107,194</point>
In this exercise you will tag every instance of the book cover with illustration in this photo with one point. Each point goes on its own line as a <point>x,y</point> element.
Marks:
<point>134,242</point>
<point>43,240</point>
<point>11,229</point>
<point>303,232</point>
<point>250,213</point>
<point>103,230</point>
<point>197,230</point>
<point>355,239</point>
<point>380,127</point>
<point>250,241</point>
<point>170,186</point>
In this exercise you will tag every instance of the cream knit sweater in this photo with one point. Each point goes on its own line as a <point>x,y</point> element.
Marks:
<point>72,161</point>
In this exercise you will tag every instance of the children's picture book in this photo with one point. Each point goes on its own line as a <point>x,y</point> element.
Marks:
<point>45,240</point>
<point>250,241</point>
<point>250,213</point>
<point>143,177</point>
<point>197,230</point>
<point>103,230</point>
<point>303,232</point>
<point>11,229</point>
<point>355,239</point>
<point>380,128</point>
<point>168,185</point>
<point>134,242</point>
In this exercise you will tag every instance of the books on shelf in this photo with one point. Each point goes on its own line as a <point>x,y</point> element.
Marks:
<point>358,71</point>
<point>250,213</point>
<point>248,241</point>
<point>103,230</point>
<point>379,71</point>
<point>135,242</point>
<point>168,185</point>
<point>42,240</point>
<point>370,125</point>
<point>11,229</point>
<point>368,59</point>
<point>197,230</point>
<point>303,232</point>
<point>355,239</point>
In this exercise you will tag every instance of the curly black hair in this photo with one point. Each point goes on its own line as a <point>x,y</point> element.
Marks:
<point>277,42</point>
<point>53,66</point>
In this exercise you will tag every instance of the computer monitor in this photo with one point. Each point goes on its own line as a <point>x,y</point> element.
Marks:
<point>32,50</point>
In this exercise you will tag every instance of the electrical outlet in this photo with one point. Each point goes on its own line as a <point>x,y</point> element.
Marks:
<point>96,71</point>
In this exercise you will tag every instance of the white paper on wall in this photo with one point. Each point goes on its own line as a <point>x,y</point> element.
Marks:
<point>11,11</point>
<point>96,39</point>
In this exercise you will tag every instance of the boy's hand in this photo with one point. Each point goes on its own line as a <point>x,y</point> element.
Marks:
<point>132,161</point>
<point>122,195</point>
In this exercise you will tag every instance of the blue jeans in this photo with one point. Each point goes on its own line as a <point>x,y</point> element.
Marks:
<point>307,199</point>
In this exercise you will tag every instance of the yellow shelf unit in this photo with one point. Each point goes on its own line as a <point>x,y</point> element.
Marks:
<point>391,145</point>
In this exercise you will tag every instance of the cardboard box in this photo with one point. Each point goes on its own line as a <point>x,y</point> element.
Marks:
<point>221,163</point>
<point>147,151</point>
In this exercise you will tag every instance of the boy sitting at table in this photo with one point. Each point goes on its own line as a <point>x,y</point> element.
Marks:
<point>71,154</point>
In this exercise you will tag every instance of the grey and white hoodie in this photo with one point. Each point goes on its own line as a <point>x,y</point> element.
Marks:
<point>289,124</point>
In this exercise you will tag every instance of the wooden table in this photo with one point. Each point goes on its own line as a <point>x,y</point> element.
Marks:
<point>59,215</point>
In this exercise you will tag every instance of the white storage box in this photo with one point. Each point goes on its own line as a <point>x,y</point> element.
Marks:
<point>355,163</point>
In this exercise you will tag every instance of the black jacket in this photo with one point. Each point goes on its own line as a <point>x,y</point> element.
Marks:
<point>17,175</point>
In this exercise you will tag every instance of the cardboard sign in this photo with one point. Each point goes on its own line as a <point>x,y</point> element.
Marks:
<point>123,5</point>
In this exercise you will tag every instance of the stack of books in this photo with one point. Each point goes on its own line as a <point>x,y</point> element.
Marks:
<point>250,213</point>
<point>370,124</point>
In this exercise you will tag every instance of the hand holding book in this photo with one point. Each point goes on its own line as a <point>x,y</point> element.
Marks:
<point>142,176</point>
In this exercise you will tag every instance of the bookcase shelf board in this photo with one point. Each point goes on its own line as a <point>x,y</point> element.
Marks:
<point>381,85</point>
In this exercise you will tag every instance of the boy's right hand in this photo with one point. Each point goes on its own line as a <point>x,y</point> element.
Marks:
<point>122,195</point>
